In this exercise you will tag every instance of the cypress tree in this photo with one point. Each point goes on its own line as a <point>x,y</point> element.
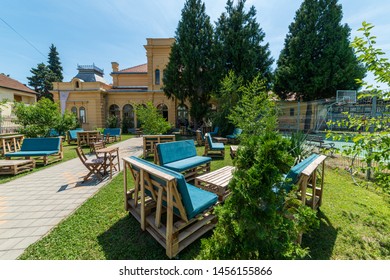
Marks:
<point>188,73</point>
<point>317,58</point>
<point>55,63</point>
<point>239,44</point>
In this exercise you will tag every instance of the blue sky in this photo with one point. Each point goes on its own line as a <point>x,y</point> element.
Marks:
<point>102,31</point>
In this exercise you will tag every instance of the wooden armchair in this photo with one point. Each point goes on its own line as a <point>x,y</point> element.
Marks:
<point>213,149</point>
<point>174,212</point>
<point>304,174</point>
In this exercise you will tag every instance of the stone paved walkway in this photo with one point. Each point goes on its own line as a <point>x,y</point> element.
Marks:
<point>34,204</point>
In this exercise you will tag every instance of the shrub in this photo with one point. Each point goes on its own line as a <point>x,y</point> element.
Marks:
<point>37,119</point>
<point>254,222</point>
<point>151,120</point>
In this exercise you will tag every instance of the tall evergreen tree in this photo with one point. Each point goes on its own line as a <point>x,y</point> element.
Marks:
<point>188,73</point>
<point>54,63</point>
<point>41,80</point>
<point>317,58</point>
<point>239,44</point>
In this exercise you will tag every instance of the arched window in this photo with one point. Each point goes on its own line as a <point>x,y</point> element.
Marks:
<point>77,84</point>
<point>82,115</point>
<point>128,117</point>
<point>157,76</point>
<point>182,115</point>
<point>74,111</point>
<point>114,110</point>
<point>163,110</point>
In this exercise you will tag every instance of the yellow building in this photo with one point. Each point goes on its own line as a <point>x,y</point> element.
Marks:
<point>11,90</point>
<point>93,100</point>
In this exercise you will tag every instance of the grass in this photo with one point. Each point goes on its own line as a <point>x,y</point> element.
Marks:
<point>69,153</point>
<point>355,223</point>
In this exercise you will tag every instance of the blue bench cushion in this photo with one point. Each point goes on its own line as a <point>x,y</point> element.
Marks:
<point>187,163</point>
<point>41,144</point>
<point>73,133</point>
<point>174,151</point>
<point>235,134</point>
<point>194,200</point>
<point>32,153</point>
<point>112,131</point>
<point>215,146</point>
<point>293,175</point>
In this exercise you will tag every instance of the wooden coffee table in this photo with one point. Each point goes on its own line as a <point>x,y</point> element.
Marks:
<point>16,166</point>
<point>220,140</point>
<point>216,181</point>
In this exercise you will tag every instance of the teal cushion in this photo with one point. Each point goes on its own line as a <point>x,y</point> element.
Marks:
<point>41,144</point>
<point>194,200</point>
<point>73,133</point>
<point>187,163</point>
<point>31,153</point>
<point>293,175</point>
<point>174,151</point>
<point>215,146</point>
<point>218,146</point>
<point>112,131</point>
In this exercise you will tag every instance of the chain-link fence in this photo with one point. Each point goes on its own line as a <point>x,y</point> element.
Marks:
<point>319,116</point>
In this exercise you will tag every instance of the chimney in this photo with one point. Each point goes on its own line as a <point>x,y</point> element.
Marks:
<point>115,66</point>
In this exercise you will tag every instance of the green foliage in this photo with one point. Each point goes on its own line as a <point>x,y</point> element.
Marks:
<point>152,122</point>
<point>54,64</point>
<point>188,74</point>
<point>373,59</point>
<point>37,119</point>
<point>127,123</point>
<point>112,121</point>
<point>44,75</point>
<point>373,144</point>
<point>297,149</point>
<point>252,223</point>
<point>255,111</point>
<point>41,81</point>
<point>65,122</point>
<point>228,97</point>
<point>238,45</point>
<point>317,58</point>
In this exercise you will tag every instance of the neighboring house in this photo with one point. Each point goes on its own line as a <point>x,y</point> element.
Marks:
<point>93,100</point>
<point>12,90</point>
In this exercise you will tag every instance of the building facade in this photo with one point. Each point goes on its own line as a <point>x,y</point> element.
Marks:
<point>10,91</point>
<point>94,100</point>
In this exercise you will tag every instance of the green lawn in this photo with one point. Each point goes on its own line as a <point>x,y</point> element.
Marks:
<point>355,223</point>
<point>69,153</point>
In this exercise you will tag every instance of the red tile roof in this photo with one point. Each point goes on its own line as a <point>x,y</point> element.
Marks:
<point>7,82</point>
<point>143,68</point>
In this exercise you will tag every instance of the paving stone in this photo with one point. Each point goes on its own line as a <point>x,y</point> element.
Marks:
<point>32,205</point>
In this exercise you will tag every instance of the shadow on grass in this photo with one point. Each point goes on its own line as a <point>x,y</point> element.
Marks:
<point>322,240</point>
<point>126,241</point>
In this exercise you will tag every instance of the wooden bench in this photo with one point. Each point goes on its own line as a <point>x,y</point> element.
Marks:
<point>11,143</point>
<point>150,142</point>
<point>181,156</point>
<point>213,149</point>
<point>45,149</point>
<point>174,212</point>
<point>319,141</point>
<point>304,174</point>
<point>14,167</point>
<point>309,192</point>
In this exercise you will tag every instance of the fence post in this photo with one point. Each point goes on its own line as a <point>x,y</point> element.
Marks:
<point>371,130</point>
